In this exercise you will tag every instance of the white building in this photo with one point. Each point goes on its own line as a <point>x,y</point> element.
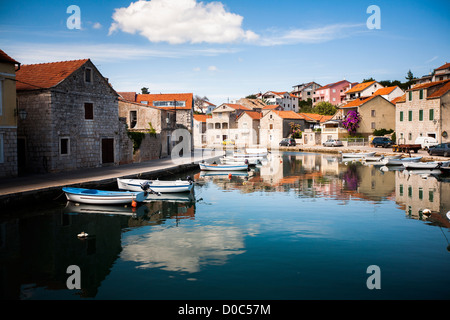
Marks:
<point>288,101</point>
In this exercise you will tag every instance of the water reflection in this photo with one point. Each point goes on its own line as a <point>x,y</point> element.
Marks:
<point>167,234</point>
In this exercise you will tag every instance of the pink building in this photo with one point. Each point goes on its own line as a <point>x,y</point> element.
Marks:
<point>333,92</point>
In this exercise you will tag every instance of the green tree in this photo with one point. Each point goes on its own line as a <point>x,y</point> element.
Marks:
<point>144,90</point>
<point>325,108</point>
<point>305,106</point>
<point>409,76</point>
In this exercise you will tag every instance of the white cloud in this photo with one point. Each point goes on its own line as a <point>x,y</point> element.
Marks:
<point>212,68</point>
<point>97,25</point>
<point>313,35</point>
<point>181,21</point>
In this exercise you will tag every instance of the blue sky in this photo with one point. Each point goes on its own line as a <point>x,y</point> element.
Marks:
<point>229,49</point>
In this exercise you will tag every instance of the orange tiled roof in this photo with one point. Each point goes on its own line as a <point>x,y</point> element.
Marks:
<point>129,96</point>
<point>5,58</point>
<point>316,117</point>
<point>361,87</point>
<point>272,106</point>
<point>331,85</point>
<point>288,114</point>
<point>45,75</point>
<point>384,91</point>
<point>440,92</point>
<point>399,99</point>
<point>201,117</point>
<point>358,102</point>
<point>150,98</point>
<point>445,66</point>
<point>237,106</point>
<point>427,85</point>
<point>253,114</point>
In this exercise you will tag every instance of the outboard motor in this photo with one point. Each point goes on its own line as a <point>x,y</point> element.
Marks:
<point>246,161</point>
<point>145,186</point>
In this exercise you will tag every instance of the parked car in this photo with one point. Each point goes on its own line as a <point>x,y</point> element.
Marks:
<point>333,143</point>
<point>288,142</point>
<point>426,142</point>
<point>442,149</point>
<point>382,142</point>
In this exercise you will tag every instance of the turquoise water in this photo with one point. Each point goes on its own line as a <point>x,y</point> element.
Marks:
<point>303,226</point>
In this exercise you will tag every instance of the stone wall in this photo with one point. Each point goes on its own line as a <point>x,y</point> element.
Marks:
<point>150,149</point>
<point>8,163</point>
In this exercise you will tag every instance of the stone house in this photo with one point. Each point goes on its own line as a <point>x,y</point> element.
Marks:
<point>365,89</point>
<point>276,125</point>
<point>9,115</point>
<point>158,123</point>
<point>200,130</point>
<point>221,125</point>
<point>72,117</point>
<point>333,93</point>
<point>438,74</point>
<point>376,113</point>
<point>248,123</point>
<point>424,112</point>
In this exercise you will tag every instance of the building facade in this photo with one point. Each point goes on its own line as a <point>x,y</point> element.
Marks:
<point>72,117</point>
<point>288,101</point>
<point>333,93</point>
<point>9,115</point>
<point>305,91</point>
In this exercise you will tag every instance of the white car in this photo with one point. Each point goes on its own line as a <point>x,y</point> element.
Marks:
<point>426,142</point>
<point>333,143</point>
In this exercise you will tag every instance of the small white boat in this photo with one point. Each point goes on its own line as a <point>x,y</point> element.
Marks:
<point>379,158</point>
<point>223,167</point>
<point>240,161</point>
<point>399,162</point>
<point>158,186</point>
<point>92,196</point>
<point>78,208</point>
<point>251,153</point>
<point>426,165</point>
<point>358,154</point>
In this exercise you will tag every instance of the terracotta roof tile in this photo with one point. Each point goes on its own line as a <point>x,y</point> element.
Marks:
<point>427,85</point>
<point>445,66</point>
<point>253,114</point>
<point>331,85</point>
<point>201,117</point>
<point>288,114</point>
<point>317,117</point>
<point>129,96</point>
<point>150,98</point>
<point>358,102</point>
<point>399,99</point>
<point>272,106</point>
<point>385,91</point>
<point>361,87</point>
<point>440,92</point>
<point>5,58</point>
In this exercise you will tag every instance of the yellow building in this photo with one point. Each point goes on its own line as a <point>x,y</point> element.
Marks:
<point>8,116</point>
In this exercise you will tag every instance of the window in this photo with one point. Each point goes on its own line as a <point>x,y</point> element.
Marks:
<point>431,114</point>
<point>89,111</point>
<point>421,94</point>
<point>420,193</point>
<point>420,115</point>
<point>133,118</point>
<point>430,195</point>
<point>373,125</point>
<point>401,190</point>
<point>401,115</point>
<point>64,146</point>
<point>172,103</point>
<point>409,191</point>
<point>410,96</point>
<point>1,97</point>
<point>373,113</point>
<point>88,75</point>
<point>410,136</point>
<point>270,126</point>
<point>410,115</point>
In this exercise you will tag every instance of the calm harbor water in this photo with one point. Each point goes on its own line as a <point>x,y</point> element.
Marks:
<point>302,226</point>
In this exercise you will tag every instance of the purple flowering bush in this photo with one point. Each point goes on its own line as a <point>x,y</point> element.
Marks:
<point>351,121</point>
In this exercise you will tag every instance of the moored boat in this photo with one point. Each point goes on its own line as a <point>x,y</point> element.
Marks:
<point>223,167</point>
<point>251,153</point>
<point>92,196</point>
<point>379,158</point>
<point>240,161</point>
<point>158,186</point>
<point>426,165</point>
<point>399,162</point>
<point>358,154</point>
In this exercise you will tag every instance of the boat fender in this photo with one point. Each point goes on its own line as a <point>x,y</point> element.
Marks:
<point>229,176</point>
<point>133,203</point>
<point>82,235</point>
<point>426,212</point>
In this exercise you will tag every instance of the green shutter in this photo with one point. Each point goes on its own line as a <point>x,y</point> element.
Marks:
<point>410,96</point>
<point>420,115</point>
<point>421,94</point>
<point>410,115</point>
<point>401,115</point>
<point>431,114</point>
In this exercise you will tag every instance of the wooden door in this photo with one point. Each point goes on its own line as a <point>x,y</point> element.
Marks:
<point>107,151</point>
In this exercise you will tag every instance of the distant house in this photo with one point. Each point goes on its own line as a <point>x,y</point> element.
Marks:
<point>252,104</point>
<point>221,125</point>
<point>390,93</point>
<point>9,116</point>
<point>365,89</point>
<point>333,93</point>
<point>72,117</point>
<point>276,125</point>
<point>288,101</point>
<point>200,129</point>
<point>272,107</point>
<point>305,91</point>
<point>248,125</point>
<point>149,119</point>
<point>181,103</point>
<point>205,107</point>
<point>438,74</point>
<point>424,112</point>
<point>376,113</point>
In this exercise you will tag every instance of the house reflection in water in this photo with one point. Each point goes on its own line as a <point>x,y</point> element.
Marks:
<point>416,192</point>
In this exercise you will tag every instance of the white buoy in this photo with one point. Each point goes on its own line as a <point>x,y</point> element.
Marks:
<point>82,235</point>
<point>448,215</point>
<point>426,212</point>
